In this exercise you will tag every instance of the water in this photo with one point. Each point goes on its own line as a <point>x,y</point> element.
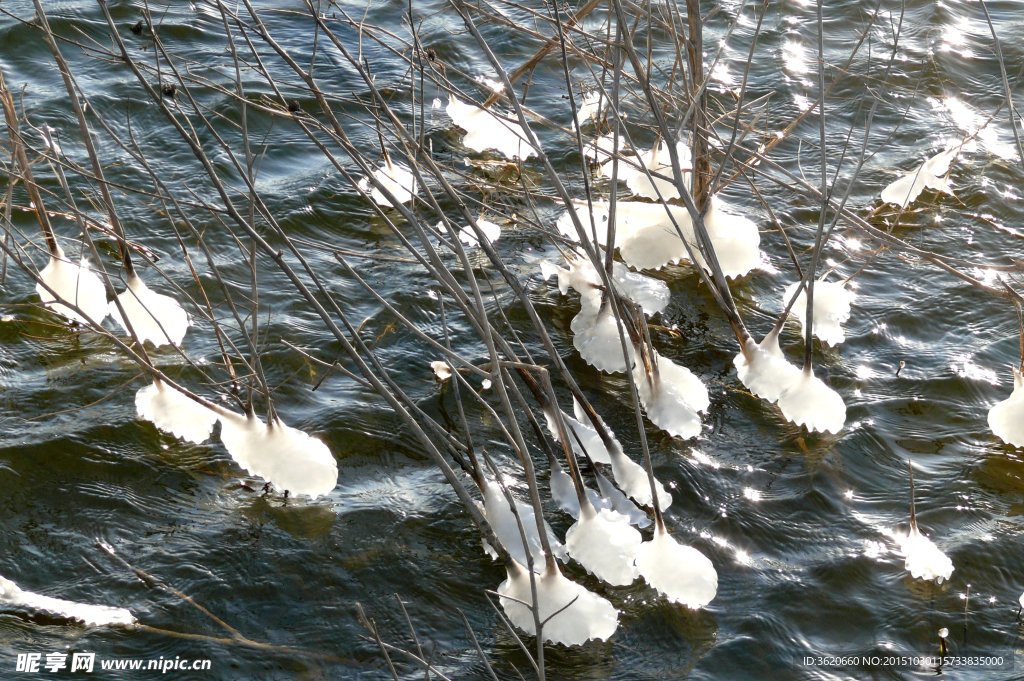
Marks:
<point>798,526</point>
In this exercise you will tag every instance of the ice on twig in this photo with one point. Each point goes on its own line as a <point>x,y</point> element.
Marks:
<point>924,559</point>
<point>488,130</point>
<point>620,504</point>
<point>673,398</point>
<point>441,370</point>
<point>593,103</point>
<point>651,294</point>
<point>681,573</point>
<point>153,316</point>
<point>630,476</point>
<point>647,238</point>
<point>11,595</point>
<point>831,309</point>
<point>492,232</point>
<point>503,522</point>
<point>764,370</point>
<point>174,412</point>
<point>657,161</point>
<point>600,149</point>
<point>930,174</point>
<point>604,543</point>
<point>75,284</point>
<point>735,238</point>
<point>1006,419</point>
<point>286,457</point>
<point>596,338</point>
<point>582,614</point>
<point>807,401</point>
<point>563,491</point>
<point>396,178</point>
<point>587,434</point>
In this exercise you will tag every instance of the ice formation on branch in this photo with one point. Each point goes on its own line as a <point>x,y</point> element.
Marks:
<point>488,130</point>
<point>11,595</point>
<point>651,294</point>
<point>503,522</point>
<point>286,457</point>
<point>657,161</point>
<point>931,175</point>
<point>441,370</point>
<point>153,316</point>
<point>588,616</point>
<point>596,337</point>
<point>673,397</point>
<point>681,573</point>
<point>924,559</point>
<point>604,543</point>
<point>76,284</point>
<point>764,370</point>
<point>831,309</point>
<point>174,412</point>
<point>807,401</point>
<point>647,238</point>
<point>492,232</point>
<point>396,178</point>
<point>630,476</point>
<point>586,434</point>
<point>1006,419</point>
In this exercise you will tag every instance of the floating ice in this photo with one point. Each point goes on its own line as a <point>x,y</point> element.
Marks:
<point>94,615</point>
<point>600,150</point>
<point>905,190</point>
<point>1006,419</point>
<point>586,433</point>
<point>503,522</point>
<point>673,399</point>
<point>924,559</point>
<point>651,294</point>
<point>441,370</point>
<point>631,477</point>
<point>76,284</point>
<point>174,412</point>
<point>597,340</point>
<point>647,238</point>
<point>807,401</point>
<point>154,317</point>
<point>487,130</point>
<point>831,309</point>
<point>283,456</point>
<point>658,162</point>
<point>682,573</point>
<point>735,238</point>
<point>588,616</point>
<point>396,178</point>
<point>563,491</point>
<point>620,504</point>
<point>767,374</point>
<point>492,233</point>
<point>593,103</point>
<point>605,544</point>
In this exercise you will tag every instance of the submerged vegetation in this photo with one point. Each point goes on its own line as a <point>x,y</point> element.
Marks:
<point>658,176</point>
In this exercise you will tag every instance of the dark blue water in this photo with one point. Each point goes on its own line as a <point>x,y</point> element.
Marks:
<point>800,527</point>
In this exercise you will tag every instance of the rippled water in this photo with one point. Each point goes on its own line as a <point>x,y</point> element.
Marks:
<point>800,527</point>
